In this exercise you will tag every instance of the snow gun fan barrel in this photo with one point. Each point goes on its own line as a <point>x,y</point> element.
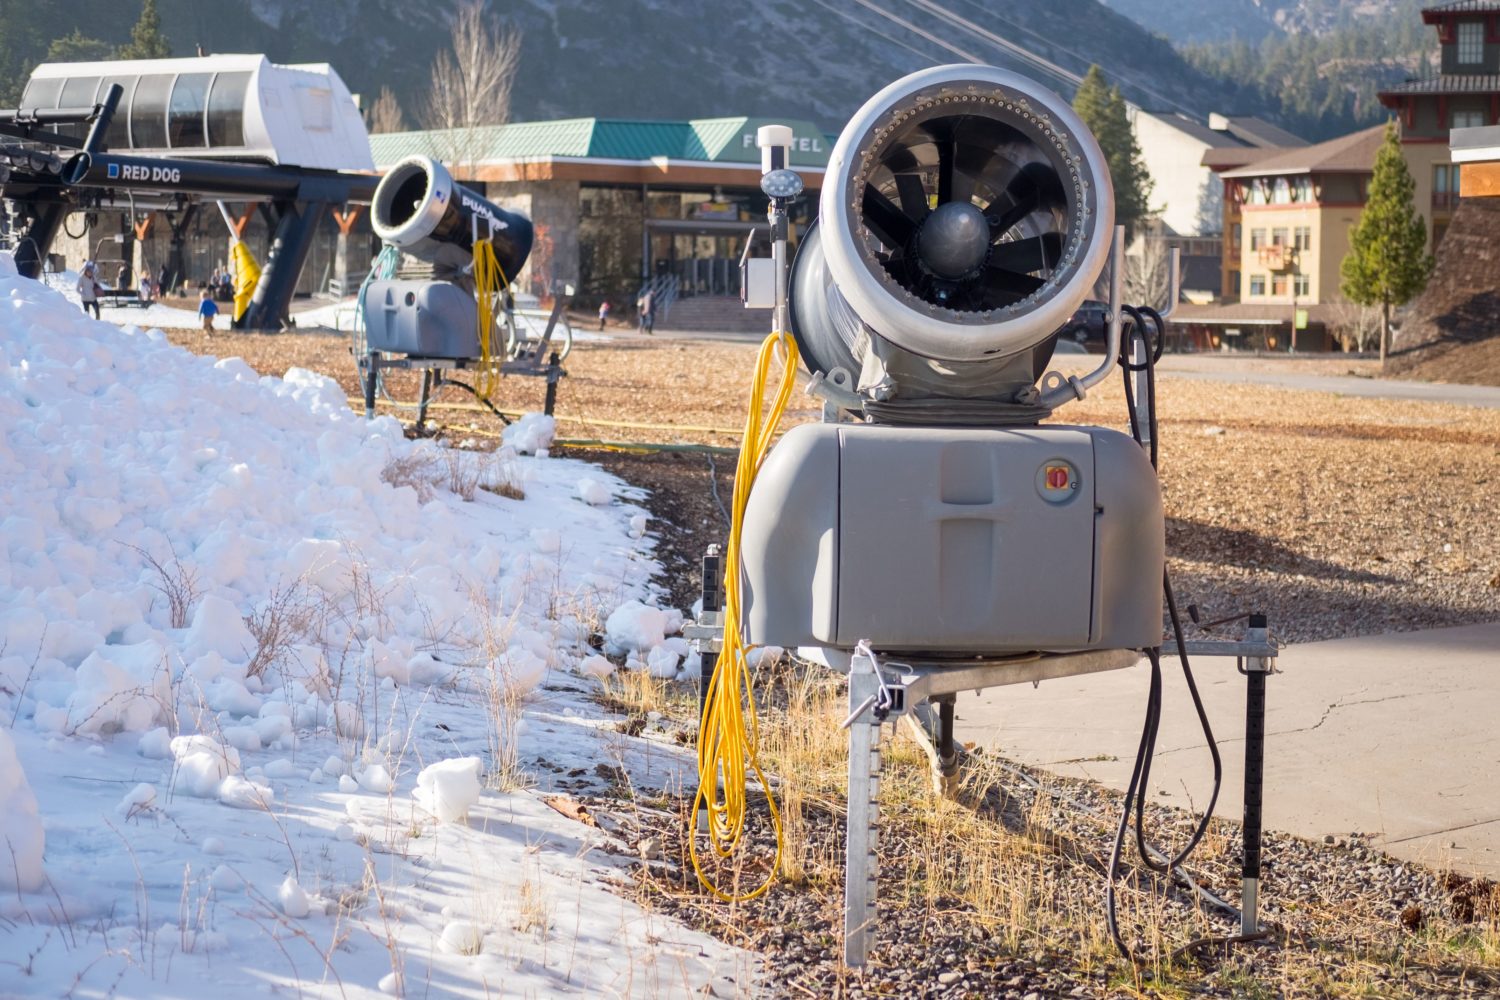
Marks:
<point>965,214</point>
<point>419,208</point>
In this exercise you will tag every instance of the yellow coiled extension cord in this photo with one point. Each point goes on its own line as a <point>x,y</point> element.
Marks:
<point>728,733</point>
<point>489,285</point>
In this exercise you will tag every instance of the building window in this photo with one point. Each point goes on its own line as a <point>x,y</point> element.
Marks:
<point>1257,284</point>
<point>1234,236</point>
<point>1278,284</point>
<point>1278,237</point>
<point>1281,191</point>
<point>1257,239</point>
<point>1302,285</point>
<point>1303,237</point>
<point>1234,283</point>
<point>1466,119</point>
<point>1470,43</point>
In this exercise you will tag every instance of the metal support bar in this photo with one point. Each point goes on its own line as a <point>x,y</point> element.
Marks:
<point>861,833</point>
<point>1256,669</point>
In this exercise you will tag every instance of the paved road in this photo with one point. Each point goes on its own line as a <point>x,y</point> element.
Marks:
<point>1347,385</point>
<point>1394,736</point>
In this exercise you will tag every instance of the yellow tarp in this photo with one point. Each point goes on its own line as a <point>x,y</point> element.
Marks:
<point>246,274</point>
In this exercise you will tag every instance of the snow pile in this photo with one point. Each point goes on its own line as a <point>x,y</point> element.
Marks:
<point>449,788</point>
<point>21,835</point>
<point>219,622</point>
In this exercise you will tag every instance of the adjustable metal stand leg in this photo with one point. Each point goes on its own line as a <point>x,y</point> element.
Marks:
<point>1256,669</point>
<point>554,375</point>
<point>861,833</point>
<point>423,400</point>
<point>372,379</point>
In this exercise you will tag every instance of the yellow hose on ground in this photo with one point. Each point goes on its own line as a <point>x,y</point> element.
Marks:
<point>728,732</point>
<point>489,285</point>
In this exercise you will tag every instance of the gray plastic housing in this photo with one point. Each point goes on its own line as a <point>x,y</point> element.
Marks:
<point>953,542</point>
<point>421,319</point>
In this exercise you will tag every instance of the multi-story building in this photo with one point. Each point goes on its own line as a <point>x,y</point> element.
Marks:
<point>1288,217</point>
<point>1464,94</point>
<point>1187,193</point>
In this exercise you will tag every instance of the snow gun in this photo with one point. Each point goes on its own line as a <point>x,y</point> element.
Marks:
<point>439,299</point>
<point>933,534</point>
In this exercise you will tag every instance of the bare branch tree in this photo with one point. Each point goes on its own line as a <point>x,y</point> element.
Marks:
<point>385,114</point>
<point>1147,267</point>
<point>471,84</point>
<point>1357,327</point>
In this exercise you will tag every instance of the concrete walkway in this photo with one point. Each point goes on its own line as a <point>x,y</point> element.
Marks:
<point>1395,736</point>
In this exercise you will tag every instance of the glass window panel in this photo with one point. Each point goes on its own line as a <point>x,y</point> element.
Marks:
<point>189,98</point>
<point>1257,284</point>
<point>42,93</point>
<point>148,112</point>
<point>1278,284</point>
<point>1440,178</point>
<point>79,91</point>
<point>1257,239</point>
<point>1278,237</point>
<point>226,109</point>
<point>1470,43</point>
<point>1303,284</point>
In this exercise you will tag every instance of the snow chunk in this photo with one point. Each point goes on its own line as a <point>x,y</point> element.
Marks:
<point>593,492</point>
<point>463,938</point>
<point>121,689</point>
<point>138,799</point>
<point>662,662</point>
<point>202,763</point>
<point>21,833</point>
<point>242,793</point>
<point>449,788</point>
<point>155,744</point>
<point>218,627</point>
<point>375,778</point>
<point>532,433</point>
<point>596,666</point>
<point>636,626</point>
<point>292,898</point>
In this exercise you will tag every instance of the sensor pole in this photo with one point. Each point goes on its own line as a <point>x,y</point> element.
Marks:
<point>1255,669</point>
<point>781,184</point>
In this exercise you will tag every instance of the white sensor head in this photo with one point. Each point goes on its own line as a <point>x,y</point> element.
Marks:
<point>774,140</point>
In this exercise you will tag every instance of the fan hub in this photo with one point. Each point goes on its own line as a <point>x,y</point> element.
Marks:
<point>953,240</point>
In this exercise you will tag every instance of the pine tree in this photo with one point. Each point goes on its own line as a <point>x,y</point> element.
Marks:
<point>1388,263</point>
<point>77,47</point>
<point>146,39</point>
<point>1103,110</point>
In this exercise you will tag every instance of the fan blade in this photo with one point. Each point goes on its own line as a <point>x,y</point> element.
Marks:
<point>968,168</point>
<point>1023,195</point>
<point>913,196</point>
<point>947,152</point>
<point>900,160</point>
<point>1039,253</point>
<point>885,220</point>
<point>1004,280</point>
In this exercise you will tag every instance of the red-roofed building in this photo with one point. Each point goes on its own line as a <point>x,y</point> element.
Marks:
<point>1464,94</point>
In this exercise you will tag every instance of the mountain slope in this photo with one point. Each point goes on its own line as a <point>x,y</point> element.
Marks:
<point>815,59</point>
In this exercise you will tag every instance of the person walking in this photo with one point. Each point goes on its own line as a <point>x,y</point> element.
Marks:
<point>207,310</point>
<point>88,288</point>
<point>645,306</point>
<point>161,282</point>
<point>603,313</point>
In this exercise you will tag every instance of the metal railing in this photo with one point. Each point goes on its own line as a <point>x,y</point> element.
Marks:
<point>663,289</point>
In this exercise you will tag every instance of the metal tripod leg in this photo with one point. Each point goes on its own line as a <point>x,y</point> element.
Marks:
<point>424,399</point>
<point>861,833</point>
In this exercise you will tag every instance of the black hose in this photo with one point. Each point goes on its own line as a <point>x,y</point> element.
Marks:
<point>1140,777</point>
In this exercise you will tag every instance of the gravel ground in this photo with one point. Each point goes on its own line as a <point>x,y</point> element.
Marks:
<point>1000,896</point>
<point>1336,516</point>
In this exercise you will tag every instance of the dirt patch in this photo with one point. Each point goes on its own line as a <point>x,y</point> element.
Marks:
<point>1337,516</point>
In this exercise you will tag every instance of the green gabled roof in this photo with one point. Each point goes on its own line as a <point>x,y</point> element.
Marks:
<point>722,140</point>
